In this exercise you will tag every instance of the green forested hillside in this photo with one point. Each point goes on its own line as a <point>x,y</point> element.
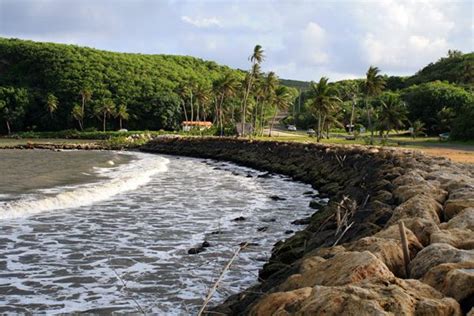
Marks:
<point>146,84</point>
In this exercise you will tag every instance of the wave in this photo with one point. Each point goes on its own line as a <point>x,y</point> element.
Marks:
<point>123,178</point>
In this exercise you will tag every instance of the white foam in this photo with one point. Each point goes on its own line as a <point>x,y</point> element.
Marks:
<point>123,178</point>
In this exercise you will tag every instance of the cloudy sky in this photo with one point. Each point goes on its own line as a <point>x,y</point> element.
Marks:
<point>302,39</point>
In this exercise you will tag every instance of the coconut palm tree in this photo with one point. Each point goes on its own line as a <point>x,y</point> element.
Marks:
<point>203,95</point>
<point>78,115</point>
<point>51,104</point>
<point>256,59</point>
<point>374,84</point>
<point>281,101</point>
<point>86,96</point>
<point>418,129</point>
<point>225,87</point>
<point>103,110</point>
<point>392,113</point>
<point>269,85</point>
<point>122,114</point>
<point>324,100</point>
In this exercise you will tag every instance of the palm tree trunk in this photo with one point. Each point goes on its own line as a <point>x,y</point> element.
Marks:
<point>352,117</point>
<point>120,122</point>
<point>80,125</point>
<point>318,137</point>
<point>184,110</point>
<point>103,121</point>
<point>244,109</point>
<point>197,111</point>
<point>221,121</point>
<point>83,109</point>
<point>261,119</point>
<point>273,122</point>
<point>192,108</point>
<point>370,124</point>
<point>8,127</point>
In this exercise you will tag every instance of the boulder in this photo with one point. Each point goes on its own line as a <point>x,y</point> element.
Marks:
<point>405,192</point>
<point>452,279</point>
<point>278,303</point>
<point>422,228</point>
<point>463,220</point>
<point>343,268</point>
<point>421,205</point>
<point>436,254</point>
<point>456,237</point>
<point>370,297</point>
<point>393,232</point>
<point>453,207</point>
<point>389,251</point>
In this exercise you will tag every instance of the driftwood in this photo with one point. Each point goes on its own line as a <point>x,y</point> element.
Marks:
<point>406,253</point>
<point>219,279</point>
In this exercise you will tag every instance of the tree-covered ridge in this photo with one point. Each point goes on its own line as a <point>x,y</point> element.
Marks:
<point>146,84</point>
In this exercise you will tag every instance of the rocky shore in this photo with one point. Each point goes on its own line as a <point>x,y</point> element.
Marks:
<point>52,146</point>
<point>396,237</point>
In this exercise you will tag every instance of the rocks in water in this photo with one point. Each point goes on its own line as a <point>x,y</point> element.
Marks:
<point>205,244</point>
<point>308,193</point>
<point>196,250</point>
<point>317,204</point>
<point>239,219</point>
<point>277,198</point>
<point>248,244</point>
<point>436,254</point>
<point>262,229</point>
<point>287,232</point>
<point>264,175</point>
<point>302,221</point>
<point>217,232</point>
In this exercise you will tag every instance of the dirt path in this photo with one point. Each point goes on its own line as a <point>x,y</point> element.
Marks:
<point>463,155</point>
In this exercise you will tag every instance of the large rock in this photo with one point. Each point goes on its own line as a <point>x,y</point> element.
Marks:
<point>452,279</point>
<point>279,303</point>
<point>420,205</point>
<point>456,237</point>
<point>393,232</point>
<point>343,268</point>
<point>389,251</point>
<point>436,254</point>
<point>405,192</point>
<point>371,297</point>
<point>454,206</point>
<point>422,228</point>
<point>463,220</point>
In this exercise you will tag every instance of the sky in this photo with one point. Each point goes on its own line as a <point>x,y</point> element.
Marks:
<point>302,40</point>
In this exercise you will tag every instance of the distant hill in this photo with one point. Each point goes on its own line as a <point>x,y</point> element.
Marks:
<point>298,84</point>
<point>458,68</point>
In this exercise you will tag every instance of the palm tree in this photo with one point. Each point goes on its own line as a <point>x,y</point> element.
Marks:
<point>182,93</point>
<point>256,59</point>
<point>374,84</point>
<point>203,95</point>
<point>78,115</point>
<point>225,87</point>
<point>324,101</point>
<point>269,85</point>
<point>51,104</point>
<point>122,114</point>
<point>86,96</point>
<point>282,100</point>
<point>103,110</point>
<point>418,129</point>
<point>392,113</point>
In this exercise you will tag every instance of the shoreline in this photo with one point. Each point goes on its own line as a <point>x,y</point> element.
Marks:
<point>353,246</point>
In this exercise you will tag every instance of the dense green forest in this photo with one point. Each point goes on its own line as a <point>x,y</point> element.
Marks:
<point>46,86</point>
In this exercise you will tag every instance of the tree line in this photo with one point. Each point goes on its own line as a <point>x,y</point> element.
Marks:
<point>45,86</point>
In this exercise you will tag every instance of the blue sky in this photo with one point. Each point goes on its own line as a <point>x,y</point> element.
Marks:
<point>302,39</point>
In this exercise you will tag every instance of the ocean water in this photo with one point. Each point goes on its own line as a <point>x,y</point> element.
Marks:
<point>110,231</point>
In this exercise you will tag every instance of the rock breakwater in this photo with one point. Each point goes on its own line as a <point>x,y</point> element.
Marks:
<point>350,258</point>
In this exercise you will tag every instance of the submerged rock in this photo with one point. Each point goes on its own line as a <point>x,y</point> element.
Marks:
<point>196,250</point>
<point>277,198</point>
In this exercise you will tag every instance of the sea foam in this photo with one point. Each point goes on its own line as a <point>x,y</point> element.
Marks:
<point>123,178</point>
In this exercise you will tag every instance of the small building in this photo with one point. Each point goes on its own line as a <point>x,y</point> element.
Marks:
<point>200,125</point>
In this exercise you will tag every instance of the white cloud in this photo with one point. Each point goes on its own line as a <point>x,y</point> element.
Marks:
<point>405,34</point>
<point>313,42</point>
<point>201,22</point>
